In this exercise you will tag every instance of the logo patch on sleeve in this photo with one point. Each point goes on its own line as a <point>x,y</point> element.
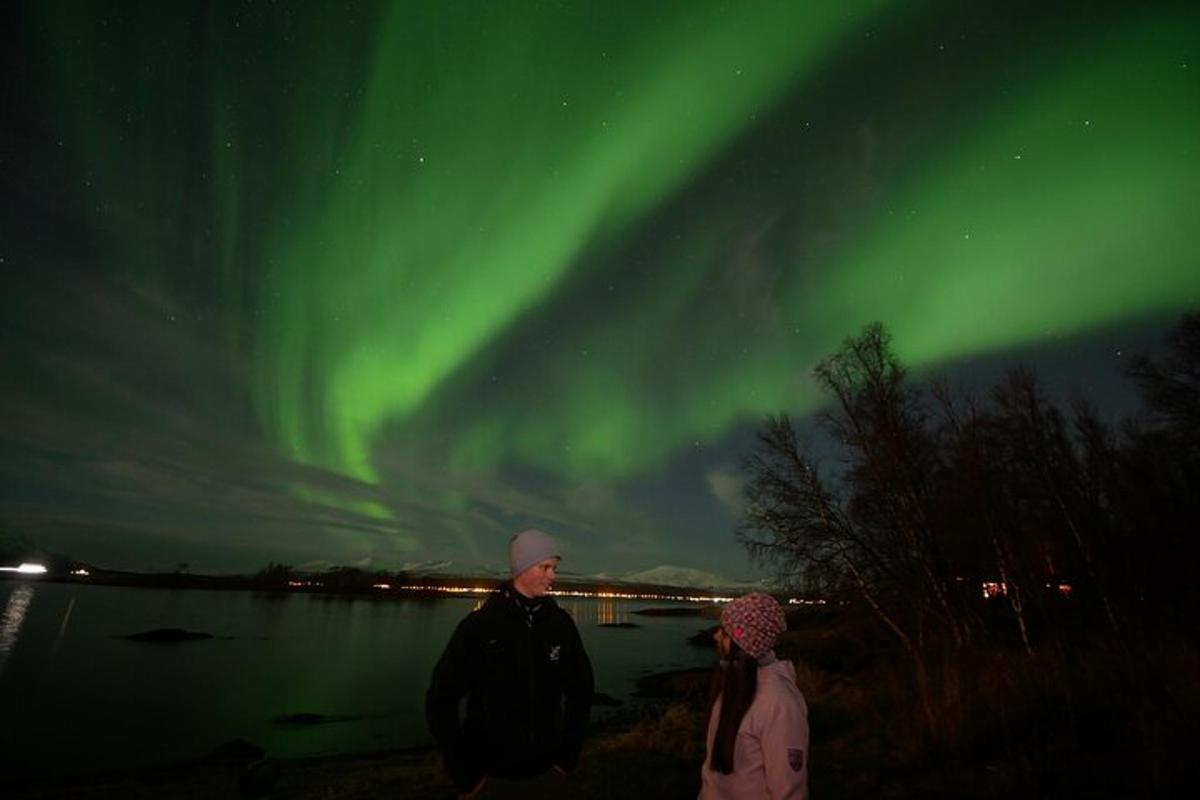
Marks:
<point>554,651</point>
<point>796,758</point>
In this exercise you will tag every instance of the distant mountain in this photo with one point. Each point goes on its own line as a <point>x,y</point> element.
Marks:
<point>425,567</point>
<point>683,577</point>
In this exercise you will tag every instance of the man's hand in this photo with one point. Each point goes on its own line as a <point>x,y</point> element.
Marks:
<point>476,791</point>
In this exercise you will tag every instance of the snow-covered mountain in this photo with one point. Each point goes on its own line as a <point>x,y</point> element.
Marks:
<point>684,577</point>
<point>425,567</point>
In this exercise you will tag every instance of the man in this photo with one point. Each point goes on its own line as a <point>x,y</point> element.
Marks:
<point>519,664</point>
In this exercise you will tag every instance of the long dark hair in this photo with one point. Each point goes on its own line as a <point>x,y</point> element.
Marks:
<point>735,682</point>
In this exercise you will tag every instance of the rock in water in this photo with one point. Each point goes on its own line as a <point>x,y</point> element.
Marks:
<point>168,636</point>
<point>301,718</point>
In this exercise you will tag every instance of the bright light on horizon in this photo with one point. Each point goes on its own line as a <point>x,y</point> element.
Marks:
<point>26,569</point>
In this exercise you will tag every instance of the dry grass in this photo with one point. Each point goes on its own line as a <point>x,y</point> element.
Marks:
<point>676,731</point>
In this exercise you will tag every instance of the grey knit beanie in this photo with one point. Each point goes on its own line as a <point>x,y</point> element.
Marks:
<point>528,548</point>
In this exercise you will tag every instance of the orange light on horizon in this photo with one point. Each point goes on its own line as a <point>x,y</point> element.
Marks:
<point>993,589</point>
<point>608,595</point>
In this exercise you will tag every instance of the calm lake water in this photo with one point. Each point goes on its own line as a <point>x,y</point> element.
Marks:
<point>76,698</point>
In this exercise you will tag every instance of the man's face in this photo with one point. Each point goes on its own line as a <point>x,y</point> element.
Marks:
<point>537,580</point>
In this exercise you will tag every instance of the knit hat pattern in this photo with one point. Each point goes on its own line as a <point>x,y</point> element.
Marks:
<point>754,621</point>
<point>528,548</point>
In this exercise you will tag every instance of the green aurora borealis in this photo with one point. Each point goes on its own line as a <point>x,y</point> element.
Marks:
<point>443,270</point>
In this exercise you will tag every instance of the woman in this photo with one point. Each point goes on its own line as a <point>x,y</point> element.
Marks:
<point>758,727</point>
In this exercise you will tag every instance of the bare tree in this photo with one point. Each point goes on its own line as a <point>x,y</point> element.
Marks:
<point>1049,479</point>
<point>892,459</point>
<point>1158,472</point>
<point>796,522</point>
<point>974,495</point>
<point>875,532</point>
<point>1170,386</point>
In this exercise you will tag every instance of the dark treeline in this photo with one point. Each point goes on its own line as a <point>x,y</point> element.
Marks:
<point>1000,525</point>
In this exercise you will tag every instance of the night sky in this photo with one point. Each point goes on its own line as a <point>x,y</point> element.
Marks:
<point>381,283</point>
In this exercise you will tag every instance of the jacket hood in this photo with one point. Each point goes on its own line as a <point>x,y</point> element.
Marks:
<point>779,669</point>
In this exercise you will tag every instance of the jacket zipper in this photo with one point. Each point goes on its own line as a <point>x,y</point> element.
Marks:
<point>532,667</point>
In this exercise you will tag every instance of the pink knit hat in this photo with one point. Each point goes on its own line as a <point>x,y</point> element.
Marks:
<point>753,621</point>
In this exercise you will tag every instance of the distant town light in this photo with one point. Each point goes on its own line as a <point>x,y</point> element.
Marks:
<point>381,586</point>
<point>82,572</point>
<point>571,593</point>
<point>26,569</point>
<point>993,589</point>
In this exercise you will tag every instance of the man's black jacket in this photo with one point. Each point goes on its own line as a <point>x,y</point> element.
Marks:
<point>528,688</point>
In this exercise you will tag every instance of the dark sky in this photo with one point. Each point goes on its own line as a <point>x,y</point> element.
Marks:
<point>382,283</point>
